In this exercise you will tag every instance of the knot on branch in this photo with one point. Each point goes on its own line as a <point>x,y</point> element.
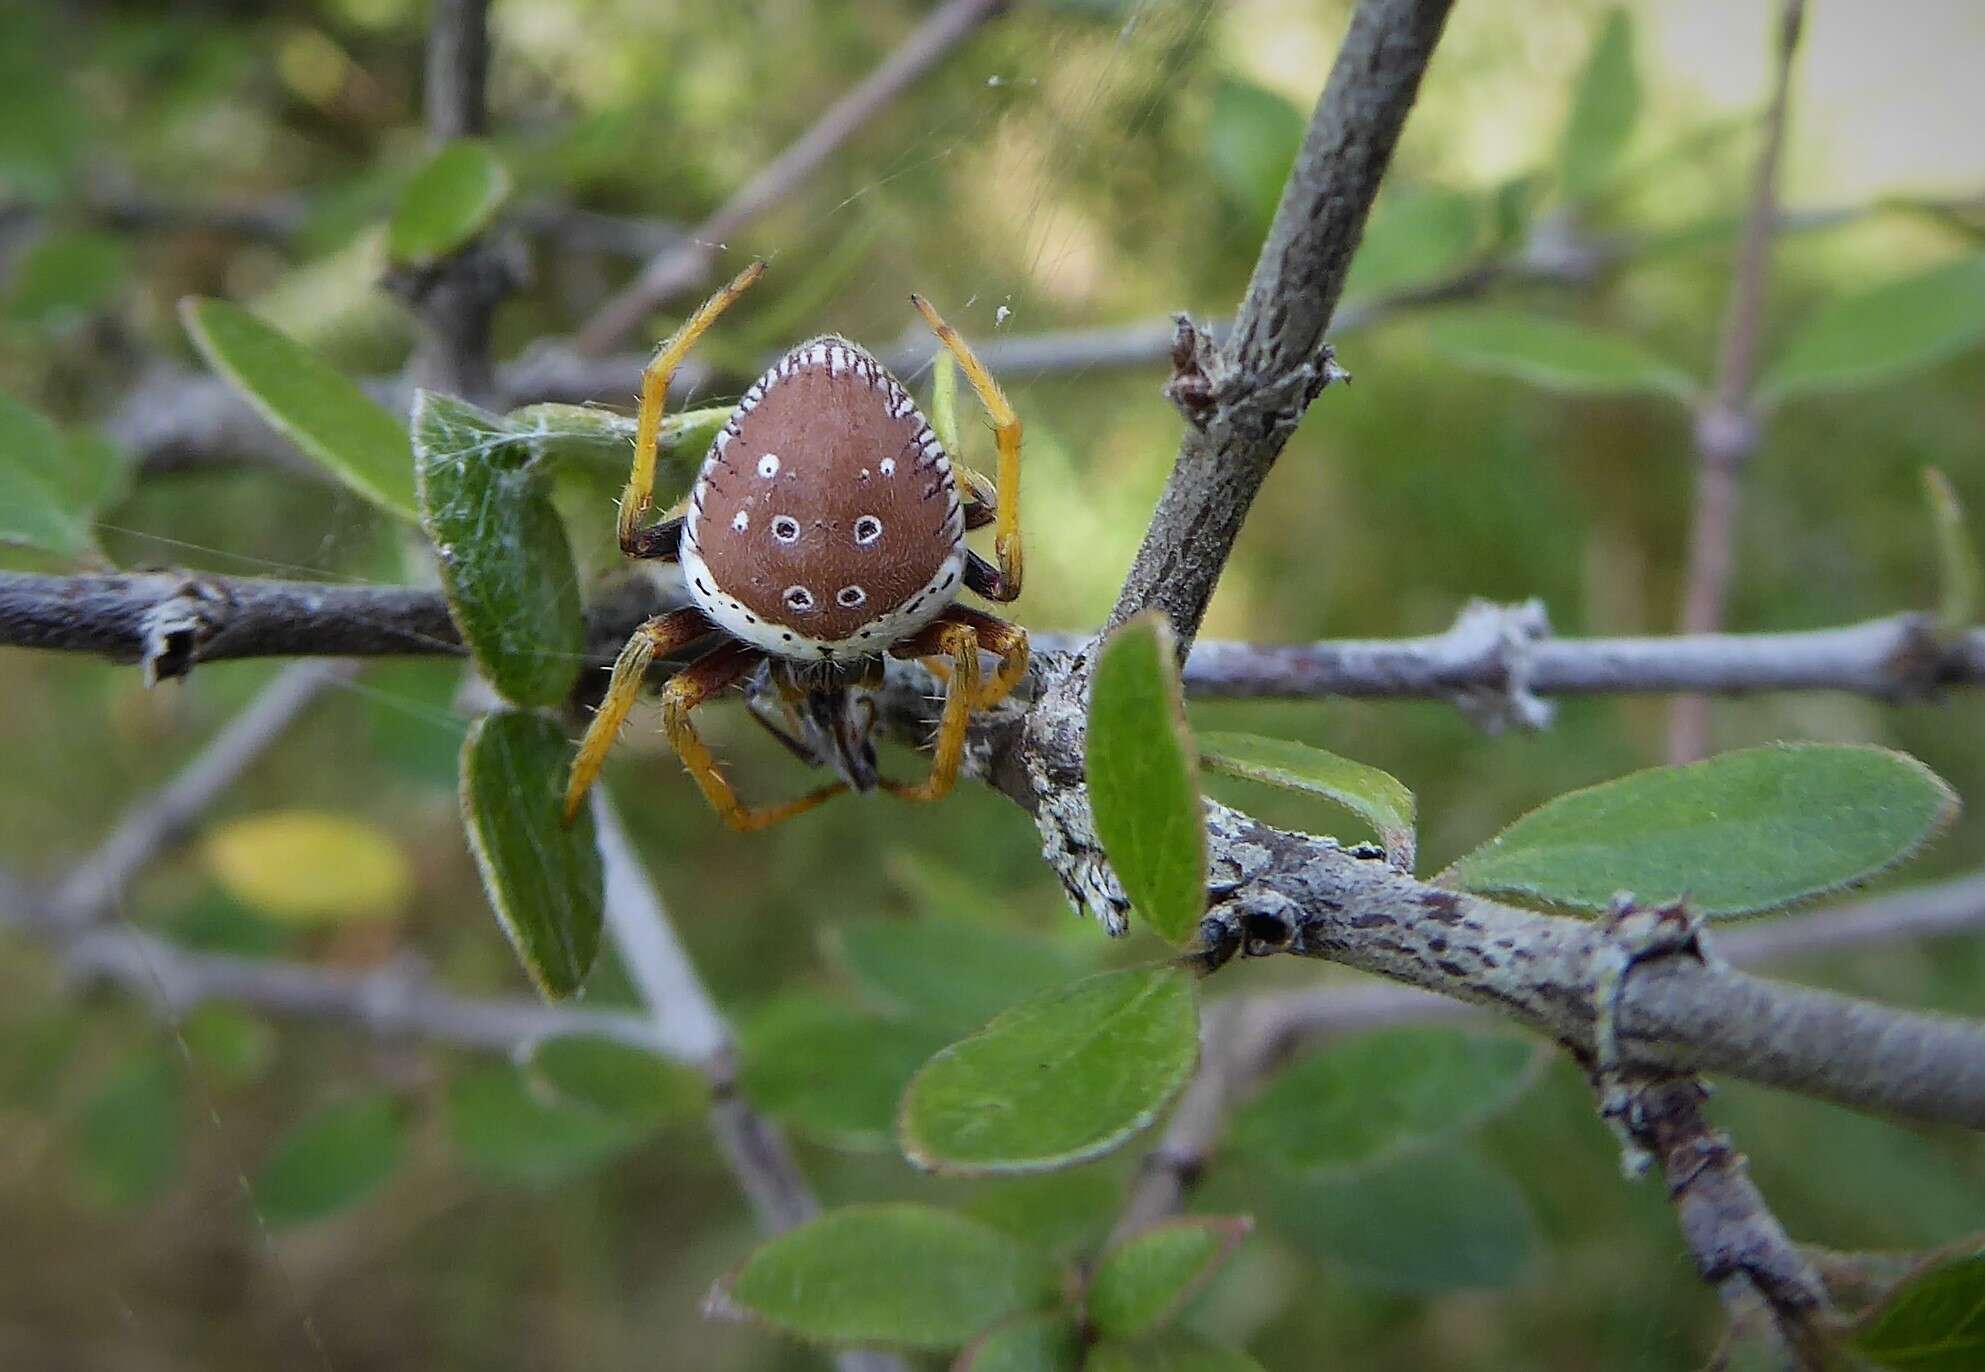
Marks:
<point>1220,399</point>
<point>1921,661</point>
<point>1726,437</point>
<point>1501,636</point>
<point>172,632</point>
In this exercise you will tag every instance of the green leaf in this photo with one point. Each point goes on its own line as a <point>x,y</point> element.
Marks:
<point>615,1079</point>
<point>1251,143</point>
<point>1555,354</point>
<point>1416,237</point>
<point>1740,833</point>
<point>1960,583</point>
<point>1368,1098</point>
<point>1899,326</point>
<point>1026,1343</point>
<point>1437,1220</point>
<point>1057,1080</point>
<point>43,495</point>
<point>544,880</point>
<point>308,401</point>
<point>331,1161</point>
<point>584,438</point>
<point>235,1047</point>
<point>1174,1351</point>
<point>67,275</point>
<point>507,1135</point>
<point>1605,106</point>
<point>450,200</point>
<point>902,1275</point>
<point>132,1134</point>
<point>944,400</point>
<point>946,972</point>
<point>506,566</point>
<point>1143,1282</point>
<point>1933,1322</point>
<point>1376,797</point>
<point>1143,777</point>
<point>832,1073</point>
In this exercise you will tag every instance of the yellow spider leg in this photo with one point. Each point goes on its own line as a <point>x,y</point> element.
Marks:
<point>1006,428</point>
<point>661,634</point>
<point>688,689</point>
<point>636,499</point>
<point>960,646</point>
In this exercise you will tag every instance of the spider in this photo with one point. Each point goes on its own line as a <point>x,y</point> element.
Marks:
<point>824,533</point>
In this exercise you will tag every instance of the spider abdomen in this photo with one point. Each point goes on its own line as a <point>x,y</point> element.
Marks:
<point>825,522</point>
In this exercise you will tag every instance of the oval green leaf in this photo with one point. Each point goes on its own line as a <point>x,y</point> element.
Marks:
<point>908,1276</point>
<point>832,1073</point>
<point>308,401</point>
<point>1371,1097</point>
<point>1439,1220</point>
<point>1376,797</point>
<point>1251,142</point>
<point>1144,779</point>
<point>1739,833</point>
<point>615,1079</point>
<point>506,566</point>
<point>544,880</point>
<point>45,494</point>
<point>1143,1282</point>
<point>1933,1322</point>
<point>1416,237</point>
<point>945,972</point>
<point>1960,582</point>
<point>1027,1343</point>
<point>1897,327</point>
<point>1555,354</point>
<point>1059,1079</point>
<point>1173,1351</point>
<point>506,1134</point>
<point>450,200</point>
<point>1605,106</point>
<point>330,1161</point>
<point>132,1133</point>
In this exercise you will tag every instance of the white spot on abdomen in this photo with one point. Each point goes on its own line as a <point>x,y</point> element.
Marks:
<point>768,466</point>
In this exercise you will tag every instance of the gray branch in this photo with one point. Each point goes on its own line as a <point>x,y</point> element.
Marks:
<point>683,267</point>
<point>1242,401</point>
<point>1727,429</point>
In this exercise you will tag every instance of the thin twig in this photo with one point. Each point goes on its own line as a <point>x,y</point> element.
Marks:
<point>1243,400</point>
<point>684,267</point>
<point>93,887</point>
<point>687,1021</point>
<point>1727,428</point>
<point>244,617</point>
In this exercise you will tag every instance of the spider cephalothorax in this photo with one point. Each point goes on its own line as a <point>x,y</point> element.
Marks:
<point>825,529</point>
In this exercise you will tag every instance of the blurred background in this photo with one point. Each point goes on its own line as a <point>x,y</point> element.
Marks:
<point>1074,164</point>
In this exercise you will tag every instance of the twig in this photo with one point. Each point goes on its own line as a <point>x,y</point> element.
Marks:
<point>1248,1035</point>
<point>94,886</point>
<point>687,1021</point>
<point>685,266</point>
<point>456,298</point>
<point>1244,400</point>
<point>1727,428</point>
<point>1740,1248</point>
<point>244,617</point>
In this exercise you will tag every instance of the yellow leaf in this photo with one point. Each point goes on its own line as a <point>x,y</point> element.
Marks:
<point>308,867</point>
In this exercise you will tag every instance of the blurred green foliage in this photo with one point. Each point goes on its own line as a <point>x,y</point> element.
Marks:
<point>1076,164</point>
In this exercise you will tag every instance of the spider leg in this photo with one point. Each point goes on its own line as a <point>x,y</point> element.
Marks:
<point>956,647</point>
<point>663,633</point>
<point>636,500</point>
<point>690,688</point>
<point>1006,427</point>
<point>1007,642</point>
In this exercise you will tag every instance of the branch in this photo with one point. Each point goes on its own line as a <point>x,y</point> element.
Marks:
<point>1492,652</point>
<point>1243,401</point>
<point>156,821</point>
<point>685,266</point>
<point>1727,428</point>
